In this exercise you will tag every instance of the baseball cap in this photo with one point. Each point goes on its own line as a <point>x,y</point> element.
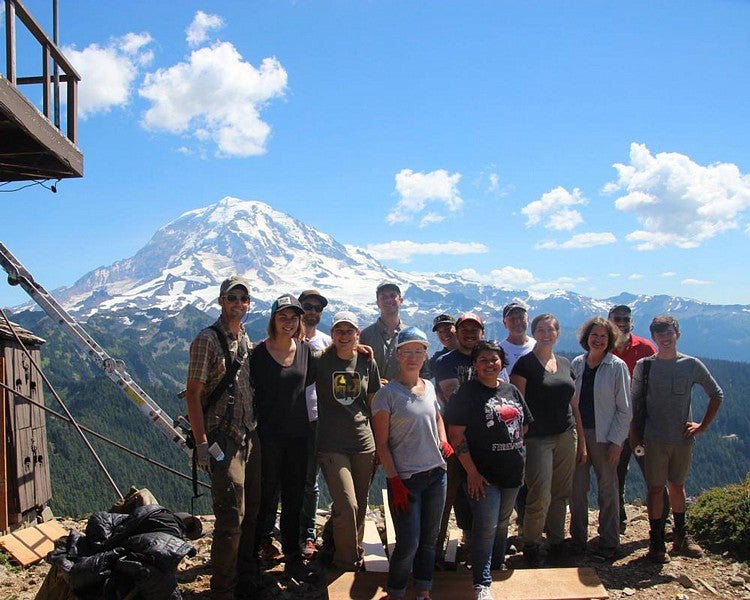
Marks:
<point>469,316</point>
<point>286,301</point>
<point>411,334</point>
<point>232,282</point>
<point>511,306</point>
<point>345,316</point>
<point>620,308</point>
<point>388,285</point>
<point>313,294</point>
<point>442,319</point>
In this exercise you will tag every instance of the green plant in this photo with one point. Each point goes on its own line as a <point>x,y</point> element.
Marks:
<point>720,517</point>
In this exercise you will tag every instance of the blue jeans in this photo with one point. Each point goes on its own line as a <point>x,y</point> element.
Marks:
<point>489,534</point>
<point>310,501</point>
<point>416,532</point>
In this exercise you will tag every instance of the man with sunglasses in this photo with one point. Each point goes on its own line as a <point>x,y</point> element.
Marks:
<point>223,422</point>
<point>313,303</point>
<point>630,348</point>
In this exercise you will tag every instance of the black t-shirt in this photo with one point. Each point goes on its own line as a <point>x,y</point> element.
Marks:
<point>586,399</point>
<point>280,391</point>
<point>494,419</point>
<point>547,394</point>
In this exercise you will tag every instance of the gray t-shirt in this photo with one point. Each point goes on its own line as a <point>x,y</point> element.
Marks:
<point>343,414</point>
<point>412,436</point>
<point>668,404</point>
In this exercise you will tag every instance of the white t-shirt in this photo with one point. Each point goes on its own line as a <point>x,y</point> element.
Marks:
<point>319,342</point>
<point>512,353</point>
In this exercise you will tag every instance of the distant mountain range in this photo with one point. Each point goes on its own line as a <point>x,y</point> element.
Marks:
<point>186,260</point>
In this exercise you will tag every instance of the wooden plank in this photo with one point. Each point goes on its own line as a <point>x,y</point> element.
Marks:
<point>454,535</point>
<point>390,532</point>
<point>374,558</point>
<point>3,457</point>
<point>30,545</point>
<point>521,584</point>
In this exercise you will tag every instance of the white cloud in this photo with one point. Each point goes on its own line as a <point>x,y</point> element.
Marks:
<point>416,190</point>
<point>614,275</point>
<point>635,276</point>
<point>108,72</point>
<point>580,240</point>
<point>677,201</point>
<point>507,278</point>
<point>431,218</point>
<point>561,283</point>
<point>553,210</point>
<point>215,95</point>
<point>403,250</point>
<point>691,281</point>
<point>668,274</point>
<point>203,23</point>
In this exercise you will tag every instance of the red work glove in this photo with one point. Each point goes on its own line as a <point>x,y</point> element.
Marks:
<point>400,494</point>
<point>446,449</point>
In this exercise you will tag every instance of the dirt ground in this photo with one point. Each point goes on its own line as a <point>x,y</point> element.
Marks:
<point>630,576</point>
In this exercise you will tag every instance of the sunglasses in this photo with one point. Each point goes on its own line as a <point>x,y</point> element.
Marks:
<point>235,297</point>
<point>316,307</point>
<point>621,319</point>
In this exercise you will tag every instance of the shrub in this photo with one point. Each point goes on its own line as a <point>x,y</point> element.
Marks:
<point>720,517</point>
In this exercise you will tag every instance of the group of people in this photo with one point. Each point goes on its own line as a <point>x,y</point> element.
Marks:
<point>505,425</point>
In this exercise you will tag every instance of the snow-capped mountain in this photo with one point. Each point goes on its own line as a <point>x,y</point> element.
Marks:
<point>186,260</point>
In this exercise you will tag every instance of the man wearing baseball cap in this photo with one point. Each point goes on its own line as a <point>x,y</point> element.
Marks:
<point>220,407</point>
<point>381,335</point>
<point>518,343</point>
<point>313,303</point>
<point>451,370</point>
<point>445,327</point>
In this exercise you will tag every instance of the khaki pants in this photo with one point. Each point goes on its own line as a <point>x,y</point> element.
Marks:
<point>550,462</point>
<point>235,489</point>
<point>348,477</point>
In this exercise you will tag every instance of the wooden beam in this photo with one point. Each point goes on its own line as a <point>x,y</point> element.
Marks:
<point>390,532</point>
<point>374,558</point>
<point>4,527</point>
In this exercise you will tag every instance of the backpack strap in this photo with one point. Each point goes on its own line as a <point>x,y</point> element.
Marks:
<point>233,366</point>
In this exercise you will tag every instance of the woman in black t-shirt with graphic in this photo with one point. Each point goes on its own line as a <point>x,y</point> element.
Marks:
<point>488,418</point>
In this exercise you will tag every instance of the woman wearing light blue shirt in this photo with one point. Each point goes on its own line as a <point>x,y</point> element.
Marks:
<point>602,386</point>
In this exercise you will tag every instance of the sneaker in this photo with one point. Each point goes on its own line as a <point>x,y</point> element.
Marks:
<point>482,592</point>
<point>657,553</point>
<point>607,552</point>
<point>686,545</point>
<point>268,550</point>
<point>308,549</point>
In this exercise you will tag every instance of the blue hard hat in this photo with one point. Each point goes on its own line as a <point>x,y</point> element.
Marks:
<point>411,334</point>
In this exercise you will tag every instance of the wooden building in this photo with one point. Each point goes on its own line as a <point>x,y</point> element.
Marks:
<point>25,487</point>
<point>37,143</point>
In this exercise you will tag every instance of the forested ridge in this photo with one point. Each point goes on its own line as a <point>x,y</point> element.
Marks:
<point>154,349</point>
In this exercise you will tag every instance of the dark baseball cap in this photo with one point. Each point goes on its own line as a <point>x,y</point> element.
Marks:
<point>286,301</point>
<point>388,285</point>
<point>469,316</point>
<point>511,306</point>
<point>233,282</point>
<point>442,320</point>
<point>313,294</point>
<point>620,308</point>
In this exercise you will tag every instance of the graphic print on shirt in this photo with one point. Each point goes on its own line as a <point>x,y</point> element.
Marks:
<point>346,386</point>
<point>504,411</point>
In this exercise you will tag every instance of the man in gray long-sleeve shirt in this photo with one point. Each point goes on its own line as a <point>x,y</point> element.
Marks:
<point>669,431</point>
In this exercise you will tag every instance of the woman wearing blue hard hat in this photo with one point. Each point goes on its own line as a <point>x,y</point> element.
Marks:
<point>412,447</point>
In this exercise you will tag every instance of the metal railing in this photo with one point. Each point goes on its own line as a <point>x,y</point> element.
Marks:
<point>52,60</point>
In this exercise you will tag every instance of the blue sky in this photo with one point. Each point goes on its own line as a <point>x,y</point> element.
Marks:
<point>598,147</point>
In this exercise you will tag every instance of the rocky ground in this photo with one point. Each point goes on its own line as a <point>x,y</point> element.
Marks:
<point>630,576</point>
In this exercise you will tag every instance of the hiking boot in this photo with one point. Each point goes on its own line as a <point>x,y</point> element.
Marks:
<point>533,556</point>
<point>657,553</point>
<point>297,569</point>
<point>482,592</point>
<point>308,549</point>
<point>268,550</point>
<point>685,544</point>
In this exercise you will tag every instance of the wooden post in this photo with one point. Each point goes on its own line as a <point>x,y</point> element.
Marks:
<point>3,458</point>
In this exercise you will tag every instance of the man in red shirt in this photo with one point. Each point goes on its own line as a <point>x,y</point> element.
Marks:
<point>630,348</point>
